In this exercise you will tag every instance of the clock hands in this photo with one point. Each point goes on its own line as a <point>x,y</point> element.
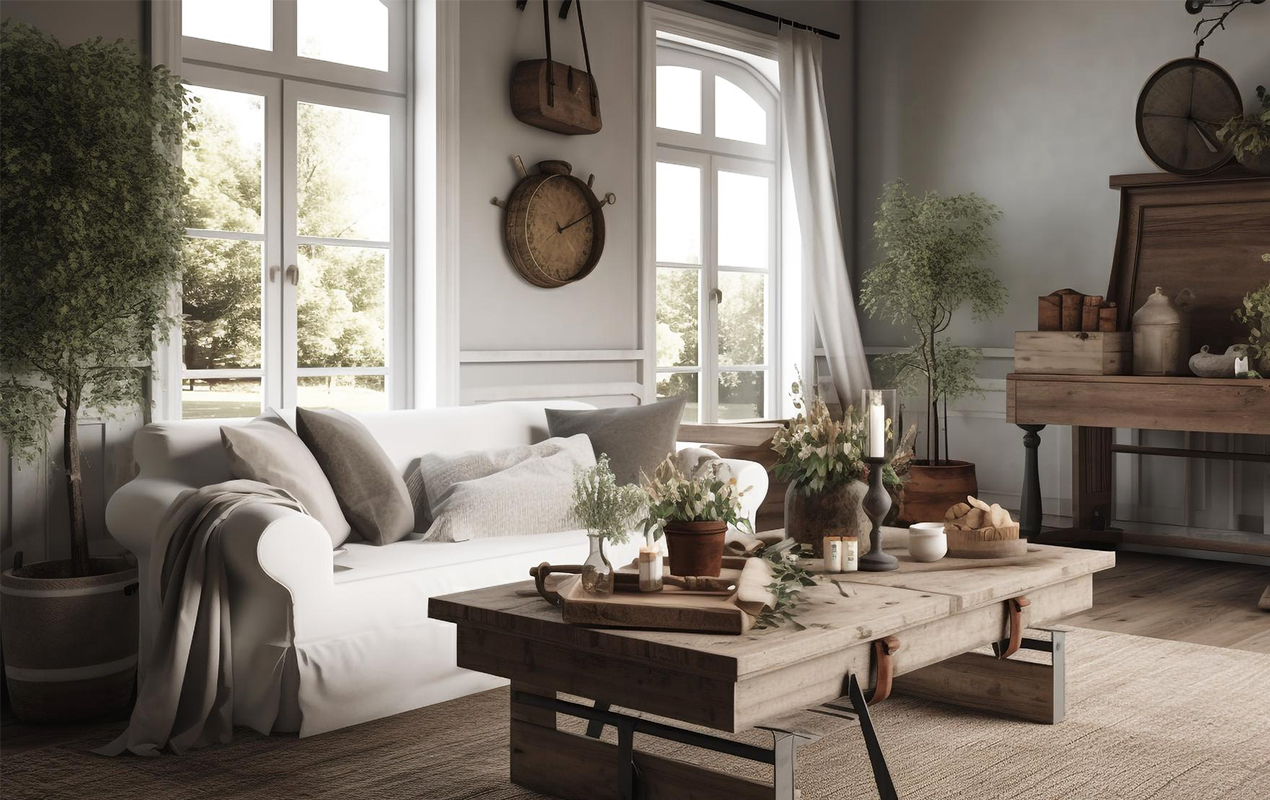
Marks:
<point>609,199</point>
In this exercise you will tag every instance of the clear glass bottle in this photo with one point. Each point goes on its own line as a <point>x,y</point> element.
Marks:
<point>597,572</point>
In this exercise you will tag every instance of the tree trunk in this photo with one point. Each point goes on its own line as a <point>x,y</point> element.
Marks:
<point>74,488</point>
<point>932,446</point>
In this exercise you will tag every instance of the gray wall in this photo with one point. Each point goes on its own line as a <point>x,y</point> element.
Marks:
<point>499,310</point>
<point>73,21</point>
<point>1031,104</point>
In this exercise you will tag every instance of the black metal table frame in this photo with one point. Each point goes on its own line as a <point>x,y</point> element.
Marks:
<point>781,756</point>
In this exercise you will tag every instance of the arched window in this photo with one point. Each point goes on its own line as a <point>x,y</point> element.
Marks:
<point>716,231</point>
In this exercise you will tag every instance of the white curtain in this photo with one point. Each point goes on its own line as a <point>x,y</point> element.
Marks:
<point>809,154</point>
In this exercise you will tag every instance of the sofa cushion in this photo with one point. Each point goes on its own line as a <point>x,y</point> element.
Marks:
<point>267,450</point>
<point>370,490</point>
<point>513,492</point>
<point>636,438</point>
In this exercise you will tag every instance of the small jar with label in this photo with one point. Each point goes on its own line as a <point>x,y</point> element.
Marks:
<point>650,573</point>
<point>850,554</point>
<point>833,553</point>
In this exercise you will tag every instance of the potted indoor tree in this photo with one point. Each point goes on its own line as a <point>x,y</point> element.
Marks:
<point>694,513</point>
<point>91,243</point>
<point>933,249</point>
<point>821,459</point>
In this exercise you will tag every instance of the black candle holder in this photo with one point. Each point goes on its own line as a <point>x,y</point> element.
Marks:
<point>876,503</point>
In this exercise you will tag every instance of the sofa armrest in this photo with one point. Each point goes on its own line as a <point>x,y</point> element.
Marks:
<point>266,544</point>
<point>753,475</point>
<point>135,510</point>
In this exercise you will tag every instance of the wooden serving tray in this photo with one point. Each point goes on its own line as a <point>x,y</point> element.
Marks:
<point>671,609</point>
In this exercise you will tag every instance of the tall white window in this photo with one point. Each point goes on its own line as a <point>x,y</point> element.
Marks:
<point>716,230</point>
<point>296,291</point>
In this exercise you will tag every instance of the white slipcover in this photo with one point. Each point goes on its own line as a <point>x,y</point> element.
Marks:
<point>322,640</point>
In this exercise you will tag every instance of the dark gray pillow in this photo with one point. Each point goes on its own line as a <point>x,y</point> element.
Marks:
<point>635,438</point>
<point>370,491</point>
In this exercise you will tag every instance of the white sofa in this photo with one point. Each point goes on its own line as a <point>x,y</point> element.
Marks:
<point>324,639</point>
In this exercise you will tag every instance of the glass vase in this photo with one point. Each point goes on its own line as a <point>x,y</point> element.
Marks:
<point>597,572</point>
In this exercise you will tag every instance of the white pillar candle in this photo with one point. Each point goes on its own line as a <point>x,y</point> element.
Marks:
<point>1241,366</point>
<point>877,426</point>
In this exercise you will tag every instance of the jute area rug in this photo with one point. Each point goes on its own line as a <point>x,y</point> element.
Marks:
<point>1146,718</point>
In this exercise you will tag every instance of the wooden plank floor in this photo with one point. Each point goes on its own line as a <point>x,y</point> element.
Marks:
<point>1206,602</point>
<point>1183,599</point>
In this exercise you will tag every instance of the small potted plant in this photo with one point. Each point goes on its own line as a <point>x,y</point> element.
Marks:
<point>1248,136</point>
<point>694,513</point>
<point>1255,313</point>
<point>933,249</point>
<point>607,511</point>
<point>820,458</point>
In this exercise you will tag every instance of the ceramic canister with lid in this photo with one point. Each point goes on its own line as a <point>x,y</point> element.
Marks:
<point>1161,334</point>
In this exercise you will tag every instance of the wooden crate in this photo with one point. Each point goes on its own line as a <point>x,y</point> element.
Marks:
<point>1073,352</point>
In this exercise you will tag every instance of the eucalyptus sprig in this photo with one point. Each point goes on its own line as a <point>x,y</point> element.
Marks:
<point>789,577</point>
<point>603,507</point>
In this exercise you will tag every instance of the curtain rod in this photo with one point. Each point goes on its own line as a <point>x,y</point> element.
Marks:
<point>773,18</point>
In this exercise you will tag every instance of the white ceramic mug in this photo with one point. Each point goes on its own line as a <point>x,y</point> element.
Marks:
<point>927,541</point>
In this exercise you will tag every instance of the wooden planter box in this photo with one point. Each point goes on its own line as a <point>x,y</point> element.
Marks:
<point>1073,352</point>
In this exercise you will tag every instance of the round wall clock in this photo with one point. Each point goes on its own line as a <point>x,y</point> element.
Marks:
<point>555,225</point>
<point>1179,112</point>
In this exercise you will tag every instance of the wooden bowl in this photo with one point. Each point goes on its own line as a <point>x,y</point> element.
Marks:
<point>1001,542</point>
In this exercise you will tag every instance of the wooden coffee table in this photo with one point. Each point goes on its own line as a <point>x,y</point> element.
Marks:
<point>916,625</point>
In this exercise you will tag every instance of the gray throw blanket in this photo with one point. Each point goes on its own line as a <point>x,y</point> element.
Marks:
<point>187,697</point>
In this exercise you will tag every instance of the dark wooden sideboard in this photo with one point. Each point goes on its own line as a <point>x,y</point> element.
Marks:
<point>1094,406</point>
<point>1206,234</point>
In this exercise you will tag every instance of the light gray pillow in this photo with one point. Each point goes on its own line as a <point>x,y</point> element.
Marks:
<point>370,491</point>
<point>267,450</point>
<point>533,494</point>
<point>635,438</point>
<point>437,473</point>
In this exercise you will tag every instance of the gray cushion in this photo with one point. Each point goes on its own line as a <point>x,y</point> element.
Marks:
<point>514,492</point>
<point>370,491</point>
<point>635,438</point>
<point>267,450</point>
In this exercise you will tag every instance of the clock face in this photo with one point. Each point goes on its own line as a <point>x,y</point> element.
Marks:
<point>560,226</point>
<point>1180,110</point>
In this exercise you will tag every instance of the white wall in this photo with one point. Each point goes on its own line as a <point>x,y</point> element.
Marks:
<point>1031,105</point>
<point>499,310</point>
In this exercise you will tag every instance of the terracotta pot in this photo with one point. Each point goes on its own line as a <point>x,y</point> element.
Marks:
<point>832,512</point>
<point>696,548</point>
<point>70,644</point>
<point>932,489</point>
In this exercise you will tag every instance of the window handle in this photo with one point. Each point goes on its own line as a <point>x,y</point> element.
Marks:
<point>293,275</point>
<point>717,294</point>
<point>273,273</point>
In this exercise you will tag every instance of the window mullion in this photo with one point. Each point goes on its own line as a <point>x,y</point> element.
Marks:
<point>709,356</point>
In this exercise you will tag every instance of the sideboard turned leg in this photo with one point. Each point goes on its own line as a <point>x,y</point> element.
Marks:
<point>1030,502</point>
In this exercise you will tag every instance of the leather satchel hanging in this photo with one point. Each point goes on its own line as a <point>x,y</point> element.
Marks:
<point>554,96</point>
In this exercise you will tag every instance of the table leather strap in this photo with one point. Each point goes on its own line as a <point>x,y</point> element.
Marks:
<point>1014,614</point>
<point>883,649</point>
